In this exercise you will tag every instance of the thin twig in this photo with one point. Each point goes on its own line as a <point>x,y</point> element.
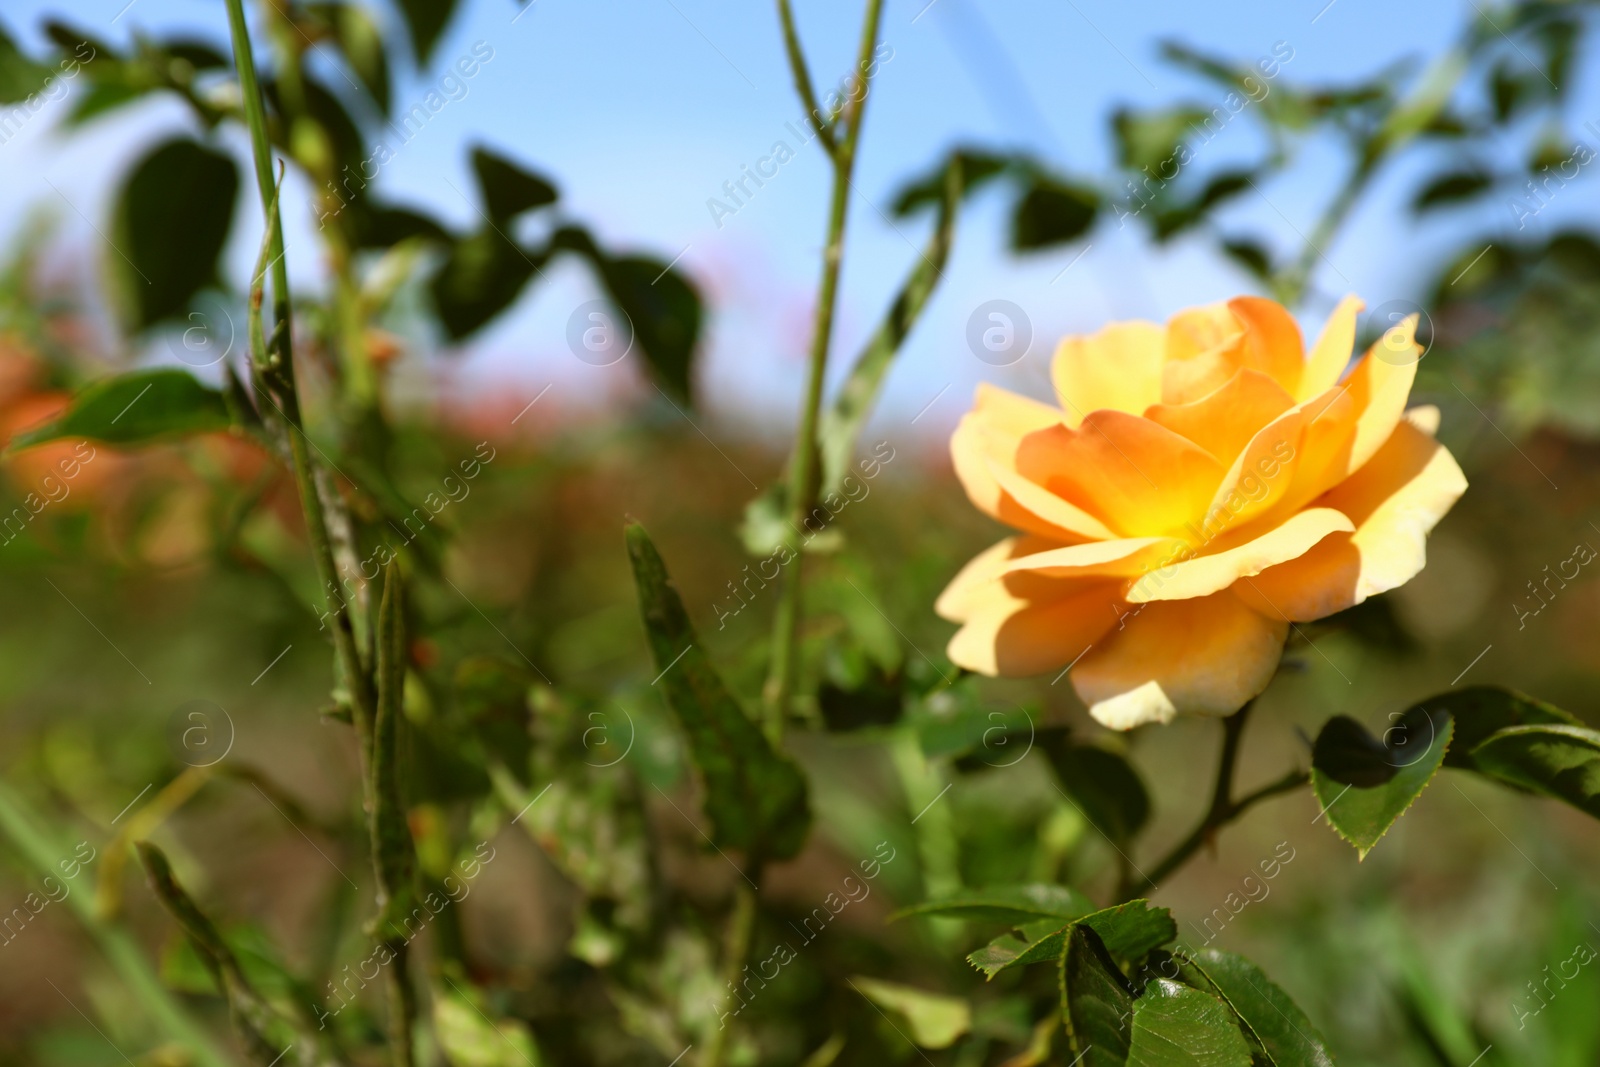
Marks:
<point>803,474</point>
<point>802,79</point>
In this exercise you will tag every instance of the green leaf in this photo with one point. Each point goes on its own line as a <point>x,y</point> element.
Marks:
<point>1364,784</point>
<point>1014,904</point>
<point>1451,189</point>
<point>508,189</point>
<point>1097,1002</point>
<point>1128,931</point>
<point>469,1038</point>
<point>1101,783</point>
<point>1150,138</point>
<point>1052,212</point>
<point>1269,1014</point>
<point>932,1019</point>
<point>664,310</point>
<point>1558,761</point>
<point>754,797</point>
<point>479,278</point>
<point>170,225</point>
<point>133,409</point>
<point>426,20</point>
<point>973,169</point>
<point>1178,1026</point>
<point>1481,710</point>
<point>20,76</point>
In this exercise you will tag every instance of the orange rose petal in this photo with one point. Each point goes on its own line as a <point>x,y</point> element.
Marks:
<point>1117,369</point>
<point>1202,329</point>
<point>958,598</point>
<point>992,430</point>
<point>1395,500</point>
<point>1125,557</point>
<point>1203,575</point>
<point>1205,656</point>
<point>1272,342</point>
<point>1010,635</point>
<point>1380,386</point>
<point>1333,351</point>
<point>1140,479</point>
<point>1259,478</point>
<point>1029,506</point>
<point>1223,421</point>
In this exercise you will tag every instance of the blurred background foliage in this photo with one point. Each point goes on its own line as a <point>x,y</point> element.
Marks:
<point>176,570</point>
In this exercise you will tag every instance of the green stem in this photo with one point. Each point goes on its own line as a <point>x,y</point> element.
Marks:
<point>802,78</point>
<point>1292,286</point>
<point>277,376</point>
<point>803,478</point>
<point>1224,809</point>
<point>741,931</point>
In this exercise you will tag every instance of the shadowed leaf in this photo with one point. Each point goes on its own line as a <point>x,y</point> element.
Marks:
<point>755,797</point>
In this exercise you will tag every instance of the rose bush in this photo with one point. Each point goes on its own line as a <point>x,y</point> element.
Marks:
<point>1201,487</point>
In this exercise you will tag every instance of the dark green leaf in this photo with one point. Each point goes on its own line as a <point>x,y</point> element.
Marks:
<point>135,408</point>
<point>1051,212</point>
<point>508,189</point>
<point>754,797</point>
<point>1268,1012</point>
<point>426,19</point>
<point>1151,138</point>
<point>1178,1026</point>
<point>20,76</point>
<point>665,312</point>
<point>479,278</point>
<point>380,227</point>
<point>1557,761</point>
<point>1105,788</point>
<point>1014,904</point>
<point>1098,1002</point>
<point>1364,784</point>
<point>1481,710</point>
<point>171,223</point>
<point>1251,256</point>
<point>1451,189</point>
<point>1130,931</point>
<point>974,168</point>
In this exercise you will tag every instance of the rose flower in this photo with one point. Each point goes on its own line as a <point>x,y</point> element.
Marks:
<point>1202,487</point>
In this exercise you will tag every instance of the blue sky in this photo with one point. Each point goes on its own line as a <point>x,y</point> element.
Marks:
<point>641,109</point>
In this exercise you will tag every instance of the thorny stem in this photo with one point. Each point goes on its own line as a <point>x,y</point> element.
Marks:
<point>803,475</point>
<point>275,371</point>
<point>1224,809</point>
